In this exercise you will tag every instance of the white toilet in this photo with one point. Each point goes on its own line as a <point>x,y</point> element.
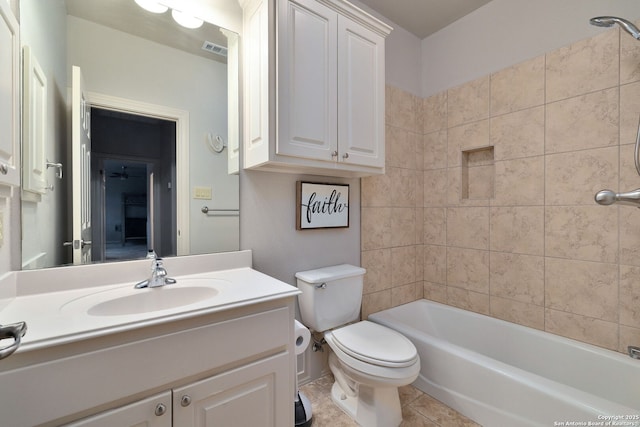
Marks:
<point>369,361</point>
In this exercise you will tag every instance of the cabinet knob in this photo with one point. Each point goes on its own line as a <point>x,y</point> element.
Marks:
<point>185,400</point>
<point>4,169</point>
<point>345,156</point>
<point>161,409</point>
<point>334,153</point>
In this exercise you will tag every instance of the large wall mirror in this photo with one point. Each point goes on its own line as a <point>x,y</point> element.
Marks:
<point>129,128</point>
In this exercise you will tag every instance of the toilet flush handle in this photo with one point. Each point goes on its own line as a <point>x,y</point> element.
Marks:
<point>322,285</point>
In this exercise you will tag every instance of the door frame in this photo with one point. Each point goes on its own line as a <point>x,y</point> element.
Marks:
<point>181,119</point>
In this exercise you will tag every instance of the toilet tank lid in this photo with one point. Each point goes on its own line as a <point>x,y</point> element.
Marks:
<point>326,274</point>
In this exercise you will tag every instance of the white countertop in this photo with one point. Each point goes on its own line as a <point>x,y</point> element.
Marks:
<point>52,318</point>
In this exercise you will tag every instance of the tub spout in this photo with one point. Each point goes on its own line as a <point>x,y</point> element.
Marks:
<point>608,197</point>
<point>634,351</point>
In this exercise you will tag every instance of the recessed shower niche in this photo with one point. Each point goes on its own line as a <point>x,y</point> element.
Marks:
<point>478,173</point>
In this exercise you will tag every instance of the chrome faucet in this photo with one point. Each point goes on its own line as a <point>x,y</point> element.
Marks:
<point>158,276</point>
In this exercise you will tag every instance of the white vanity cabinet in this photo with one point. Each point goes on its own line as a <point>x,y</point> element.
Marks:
<point>234,367</point>
<point>313,88</point>
<point>9,97</point>
<point>240,397</point>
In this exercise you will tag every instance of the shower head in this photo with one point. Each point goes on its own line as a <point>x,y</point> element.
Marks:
<point>610,21</point>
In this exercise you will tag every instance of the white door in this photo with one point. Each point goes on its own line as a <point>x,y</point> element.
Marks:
<point>80,169</point>
<point>9,97</point>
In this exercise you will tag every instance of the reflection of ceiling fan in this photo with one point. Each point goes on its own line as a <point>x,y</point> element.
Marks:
<point>123,175</point>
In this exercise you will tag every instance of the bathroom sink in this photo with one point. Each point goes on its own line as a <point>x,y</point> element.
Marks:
<point>125,300</point>
<point>152,300</point>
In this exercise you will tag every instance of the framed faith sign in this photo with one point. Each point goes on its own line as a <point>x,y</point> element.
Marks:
<point>321,205</point>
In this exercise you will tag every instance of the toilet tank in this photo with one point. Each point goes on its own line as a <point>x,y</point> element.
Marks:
<point>331,296</point>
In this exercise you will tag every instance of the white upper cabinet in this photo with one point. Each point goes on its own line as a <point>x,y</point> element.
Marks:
<point>9,97</point>
<point>314,88</point>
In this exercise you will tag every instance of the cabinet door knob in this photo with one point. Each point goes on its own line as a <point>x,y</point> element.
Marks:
<point>4,169</point>
<point>334,153</point>
<point>345,156</point>
<point>161,409</point>
<point>185,400</point>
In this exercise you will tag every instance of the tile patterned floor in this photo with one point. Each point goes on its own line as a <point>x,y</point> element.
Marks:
<point>418,409</point>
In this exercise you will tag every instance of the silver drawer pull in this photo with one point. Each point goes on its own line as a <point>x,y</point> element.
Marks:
<point>4,169</point>
<point>15,331</point>
<point>185,400</point>
<point>161,409</point>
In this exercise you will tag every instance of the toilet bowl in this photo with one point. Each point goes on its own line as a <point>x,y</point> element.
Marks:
<point>368,361</point>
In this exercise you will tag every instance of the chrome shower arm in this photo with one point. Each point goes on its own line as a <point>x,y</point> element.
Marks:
<point>608,197</point>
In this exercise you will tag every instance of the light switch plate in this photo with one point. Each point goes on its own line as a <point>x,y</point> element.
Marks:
<point>202,193</point>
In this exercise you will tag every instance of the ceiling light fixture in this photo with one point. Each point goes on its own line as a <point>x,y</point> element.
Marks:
<point>152,6</point>
<point>186,20</point>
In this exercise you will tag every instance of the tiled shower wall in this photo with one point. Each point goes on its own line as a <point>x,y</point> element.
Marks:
<point>487,203</point>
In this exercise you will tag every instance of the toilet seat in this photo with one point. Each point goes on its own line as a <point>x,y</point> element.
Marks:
<point>375,344</point>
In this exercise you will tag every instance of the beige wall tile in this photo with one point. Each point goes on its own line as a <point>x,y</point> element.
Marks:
<point>583,67</point>
<point>435,188</point>
<point>629,234</point>
<point>517,277</point>
<point>468,102</point>
<point>629,112</point>
<point>518,312</point>
<point>519,182</point>
<point>375,191</point>
<point>628,336</point>
<point>519,134</point>
<point>628,173</point>
<point>400,152</point>
<point>581,232</point>
<point>419,212</point>
<point>435,150</point>
<point>466,137</point>
<point>378,266</point>
<point>375,226</point>
<point>587,121</point>
<point>377,301</point>
<point>435,226</point>
<point>528,77</point>
<point>406,293</point>
<point>574,178</point>
<point>416,141</point>
<point>403,187</point>
<point>468,300</point>
<point>587,329</point>
<point>517,229</point>
<point>419,265</point>
<point>629,59</point>
<point>468,269</point>
<point>403,265</point>
<point>403,226</point>
<point>468,227</point>
<point>435,292</point>
<point>630,296</point>
<point>400,108</point>
<point>435,112</point>
<point>579,287</point>
<point>435,264</point>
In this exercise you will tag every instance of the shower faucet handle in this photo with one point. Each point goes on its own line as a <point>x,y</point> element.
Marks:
<point>608,197</point>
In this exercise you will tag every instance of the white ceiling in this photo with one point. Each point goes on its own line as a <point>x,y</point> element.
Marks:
<point>424,17</point>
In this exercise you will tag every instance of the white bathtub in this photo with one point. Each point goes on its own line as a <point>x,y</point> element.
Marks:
<point>502,374</point>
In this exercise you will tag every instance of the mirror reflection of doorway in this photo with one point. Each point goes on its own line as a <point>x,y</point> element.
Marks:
<point>133,173</point>
<point>126,209</point>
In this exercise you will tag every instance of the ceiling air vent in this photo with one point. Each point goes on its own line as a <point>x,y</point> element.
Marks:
<point>214,48</point>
